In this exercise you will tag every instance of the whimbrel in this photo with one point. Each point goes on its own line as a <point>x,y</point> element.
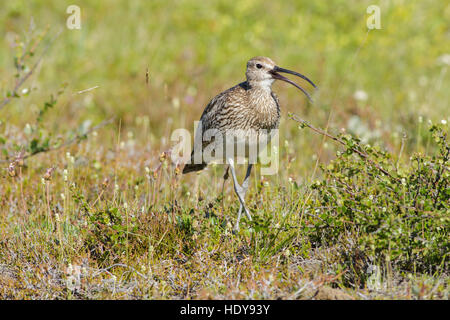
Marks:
<point>248,110</point>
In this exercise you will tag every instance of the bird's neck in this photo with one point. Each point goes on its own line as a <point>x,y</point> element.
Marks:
<point>261,85</point>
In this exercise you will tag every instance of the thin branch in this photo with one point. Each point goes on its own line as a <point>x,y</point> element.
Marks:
<point>25,77</point>
<point>75,139</point>
<point>362,154</point>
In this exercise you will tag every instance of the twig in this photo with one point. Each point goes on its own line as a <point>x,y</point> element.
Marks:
<point>362,154</point>
<point>24,78</point>
<point>77,138</point>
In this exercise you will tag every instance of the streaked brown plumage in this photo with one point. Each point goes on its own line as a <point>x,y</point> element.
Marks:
<point>249,108</point>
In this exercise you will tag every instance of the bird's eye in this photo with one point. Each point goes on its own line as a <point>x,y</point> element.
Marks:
<point>258,66</point>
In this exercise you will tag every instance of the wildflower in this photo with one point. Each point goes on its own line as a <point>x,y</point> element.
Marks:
<point>176,102</point>
<point>12,169</point>
<point>444,59</point>
<point>360,95</point>
<point>444,122</point>
<point>27,129</point>
<point>48,173</point>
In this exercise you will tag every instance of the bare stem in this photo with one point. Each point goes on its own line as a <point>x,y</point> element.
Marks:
<point>362,154</point>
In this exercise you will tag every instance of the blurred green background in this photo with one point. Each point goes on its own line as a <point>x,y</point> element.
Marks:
<point>195,49</point>
<point>383,86</point>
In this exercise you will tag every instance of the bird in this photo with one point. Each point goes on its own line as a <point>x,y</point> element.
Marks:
<point>237,119</point>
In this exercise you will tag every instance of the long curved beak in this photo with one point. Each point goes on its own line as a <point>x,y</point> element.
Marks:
<point>275,74</point>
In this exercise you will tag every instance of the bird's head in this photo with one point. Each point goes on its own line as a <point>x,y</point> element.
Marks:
<point>262,71</point>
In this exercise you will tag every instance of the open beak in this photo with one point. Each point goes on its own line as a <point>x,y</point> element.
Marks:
<point>275,74</point>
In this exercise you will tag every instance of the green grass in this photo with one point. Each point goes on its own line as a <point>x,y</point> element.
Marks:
<point>114,219</point>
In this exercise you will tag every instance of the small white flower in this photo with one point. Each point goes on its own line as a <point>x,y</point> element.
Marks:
<point>27,129</point>
<point>176,102</point>
<point>444,59</point>
<point>444,122</point>
<point>420,119</point>
<point>68,155</point>
<point>25,91</point>
<point>125,205</point>
<point>147,169</point>
<point>63,196</point>
<point>360,95</point>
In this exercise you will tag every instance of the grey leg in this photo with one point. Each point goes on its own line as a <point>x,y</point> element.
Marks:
<point>245,188</point>
<point>240,191</point>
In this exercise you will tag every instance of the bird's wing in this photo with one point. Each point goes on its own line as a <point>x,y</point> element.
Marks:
<point>220,109</point>
<point>220,112</point>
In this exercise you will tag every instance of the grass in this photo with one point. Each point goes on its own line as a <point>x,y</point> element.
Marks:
<point>98,210</point>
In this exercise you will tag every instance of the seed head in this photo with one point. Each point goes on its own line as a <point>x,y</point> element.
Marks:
<point>48,174</point>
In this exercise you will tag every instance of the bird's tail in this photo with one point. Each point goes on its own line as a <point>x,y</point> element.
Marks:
<point>190,167</point>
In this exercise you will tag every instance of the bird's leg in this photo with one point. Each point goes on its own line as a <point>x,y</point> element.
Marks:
<point>244,189</point>
<point>240,191</point>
